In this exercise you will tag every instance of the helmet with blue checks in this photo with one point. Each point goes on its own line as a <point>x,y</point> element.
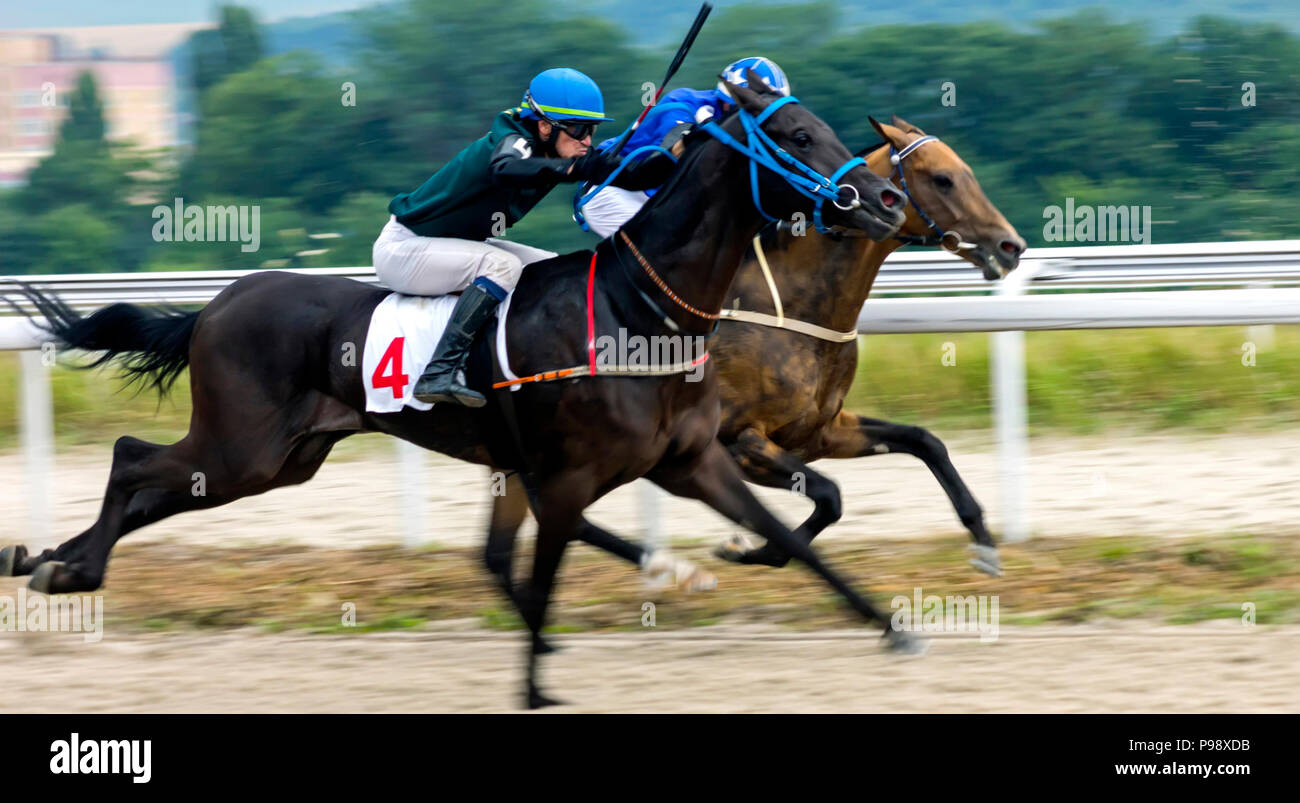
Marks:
<point>766,69</point>
<point>562,95</point>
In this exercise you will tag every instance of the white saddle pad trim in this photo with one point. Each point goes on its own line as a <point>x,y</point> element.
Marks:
<point>502,313</point>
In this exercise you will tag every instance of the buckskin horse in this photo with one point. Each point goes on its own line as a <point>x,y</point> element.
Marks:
<point>271,395</point>
<point>788,353</point>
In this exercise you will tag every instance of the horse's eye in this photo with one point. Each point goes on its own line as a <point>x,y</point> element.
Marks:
<point>802,140</point>
<point>943,182</point>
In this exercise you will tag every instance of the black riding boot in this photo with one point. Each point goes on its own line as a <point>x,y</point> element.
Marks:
<point>443,379</point>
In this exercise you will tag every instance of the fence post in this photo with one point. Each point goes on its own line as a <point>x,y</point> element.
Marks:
<point>1007,366</point>
<point>36,434</point>
<point>411,465</point>
<point>1008,363</point>
<point>651,497</point>
<point>1261,334</point>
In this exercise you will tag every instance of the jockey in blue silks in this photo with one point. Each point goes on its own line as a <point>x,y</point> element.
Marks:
<point>664,126</point>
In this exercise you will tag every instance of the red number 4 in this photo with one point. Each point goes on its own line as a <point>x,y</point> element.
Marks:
<point>385,377</point>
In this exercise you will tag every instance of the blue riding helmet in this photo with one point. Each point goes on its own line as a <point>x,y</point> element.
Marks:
<point>767,69</point>
<point>560,95</point>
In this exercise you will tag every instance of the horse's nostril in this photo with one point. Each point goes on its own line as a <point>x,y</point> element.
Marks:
<point>889,199</point>
<point>1011,247</point>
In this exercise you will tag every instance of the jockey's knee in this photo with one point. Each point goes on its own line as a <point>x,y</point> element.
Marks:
<point>501,268</point>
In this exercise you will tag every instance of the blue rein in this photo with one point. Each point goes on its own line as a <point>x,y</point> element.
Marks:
<point>761,151</point>
<point>580,199</point>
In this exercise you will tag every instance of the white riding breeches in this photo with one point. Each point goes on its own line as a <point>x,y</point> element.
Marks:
<point>434,266</point>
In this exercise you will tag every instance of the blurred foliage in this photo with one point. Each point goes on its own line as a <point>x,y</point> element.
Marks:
<point>233,46</point>
<point>1087,106</point>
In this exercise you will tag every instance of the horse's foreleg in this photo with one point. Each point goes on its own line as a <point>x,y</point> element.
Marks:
<point>715,479</point>
<point>657,566</point>
<point>559,519</point>
<point>767,464</point>
<point>851,435</point>
<point>508,513</point>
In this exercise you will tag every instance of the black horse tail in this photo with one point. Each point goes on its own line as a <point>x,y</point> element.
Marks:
<point>153,344</point>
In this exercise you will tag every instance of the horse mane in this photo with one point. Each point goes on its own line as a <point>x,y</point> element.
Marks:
<point>863,153</point>
<point>695,142</point>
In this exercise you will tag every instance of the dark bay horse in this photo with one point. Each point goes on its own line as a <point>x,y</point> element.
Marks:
<point>272,394</point>
<point>783,389</point>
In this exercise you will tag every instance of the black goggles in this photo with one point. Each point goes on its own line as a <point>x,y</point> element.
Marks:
<point>578,131</point>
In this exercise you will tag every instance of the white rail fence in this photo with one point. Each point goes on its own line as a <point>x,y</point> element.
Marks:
<point>1202,284</point>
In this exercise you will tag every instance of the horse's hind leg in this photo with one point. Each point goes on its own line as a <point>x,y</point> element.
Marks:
<point>78,564</point>
<point>715,479</point>
<point>161,481</point>
<point>767,464</point>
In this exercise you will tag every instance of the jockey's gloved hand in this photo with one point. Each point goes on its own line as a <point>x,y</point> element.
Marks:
<point>646,173</point>
<point>594,166</point>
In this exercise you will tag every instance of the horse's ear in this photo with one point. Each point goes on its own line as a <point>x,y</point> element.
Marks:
<point>884,131</point>
<point>748,99</point>
<point>900,123</point>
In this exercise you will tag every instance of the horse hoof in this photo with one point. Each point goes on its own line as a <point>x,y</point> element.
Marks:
<point>662,569</point>
<point>734,548</point>
<point>986,559</point>
<point>43,578</point>
<point>698,580</point>
<point>538,700</point>
<point>10,558</point>
<point>901,642</point>
<point>541,647</point>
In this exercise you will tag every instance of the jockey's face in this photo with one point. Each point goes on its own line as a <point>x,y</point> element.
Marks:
<point>566,147</point>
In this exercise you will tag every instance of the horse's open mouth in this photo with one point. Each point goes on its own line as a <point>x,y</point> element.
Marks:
<point>885,227</point>
<point>993,268</point>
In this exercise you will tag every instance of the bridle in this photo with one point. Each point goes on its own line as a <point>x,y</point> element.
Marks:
<point>950,240</point>
<point>763,151</point>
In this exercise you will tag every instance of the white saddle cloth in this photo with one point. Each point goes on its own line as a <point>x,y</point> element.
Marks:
<point>404,330</point>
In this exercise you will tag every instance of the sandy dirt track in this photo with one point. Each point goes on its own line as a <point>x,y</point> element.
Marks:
<point>1213,667</point>
<point>1168,485</point>
<point>1117,485</point>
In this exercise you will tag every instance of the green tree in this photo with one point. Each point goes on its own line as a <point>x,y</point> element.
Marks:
<point>279,129</point>
<point>234,46</point>
<point>85,120</point>
<point>75,210</point>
